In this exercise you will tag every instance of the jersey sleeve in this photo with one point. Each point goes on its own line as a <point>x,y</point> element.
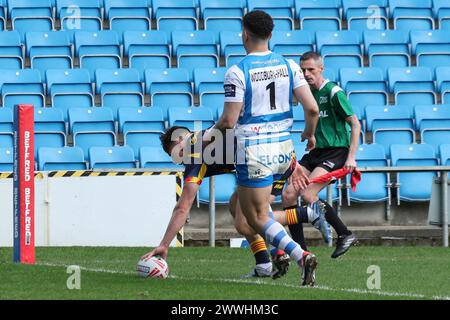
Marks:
<point>234,85</point>
<point>299,78</point>
<point>341,103</point>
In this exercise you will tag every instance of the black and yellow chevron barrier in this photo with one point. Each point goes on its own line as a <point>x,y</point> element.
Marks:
<point>86,173</point>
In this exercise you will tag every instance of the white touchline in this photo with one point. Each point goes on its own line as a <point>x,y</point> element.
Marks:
<point>275,284</point>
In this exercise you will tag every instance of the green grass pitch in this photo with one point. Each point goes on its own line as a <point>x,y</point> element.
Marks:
<point>215,273</point>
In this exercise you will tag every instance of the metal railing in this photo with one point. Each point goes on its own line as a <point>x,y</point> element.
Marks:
<point>443,170</point>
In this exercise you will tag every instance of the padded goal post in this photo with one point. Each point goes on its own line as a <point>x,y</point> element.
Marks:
<point>23,190</point>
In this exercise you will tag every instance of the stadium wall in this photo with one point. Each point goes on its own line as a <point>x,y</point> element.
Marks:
<point>95,210</point>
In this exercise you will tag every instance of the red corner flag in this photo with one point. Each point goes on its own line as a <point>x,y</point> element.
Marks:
<point>338,174</point>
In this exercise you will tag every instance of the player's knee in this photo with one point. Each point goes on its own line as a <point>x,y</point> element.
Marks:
<point>308,197</point>
<point>289,197</point>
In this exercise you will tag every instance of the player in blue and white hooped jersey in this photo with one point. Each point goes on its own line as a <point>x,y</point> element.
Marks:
<point>258,100</point>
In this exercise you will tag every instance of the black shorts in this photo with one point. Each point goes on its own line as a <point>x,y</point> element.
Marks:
<point>329,159</point>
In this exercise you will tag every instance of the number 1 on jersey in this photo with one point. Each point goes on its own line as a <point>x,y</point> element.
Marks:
<point>271,88</point>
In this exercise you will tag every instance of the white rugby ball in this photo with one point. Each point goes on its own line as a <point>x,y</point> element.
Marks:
<point>154,267</point>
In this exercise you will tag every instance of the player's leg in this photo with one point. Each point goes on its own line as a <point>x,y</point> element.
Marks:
<point>290,201</point>
<point>254,203</point>
<point>310,195</point>
<point>263,267</point>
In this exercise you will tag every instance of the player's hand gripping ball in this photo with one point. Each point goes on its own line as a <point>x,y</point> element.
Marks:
<point>153,267</point>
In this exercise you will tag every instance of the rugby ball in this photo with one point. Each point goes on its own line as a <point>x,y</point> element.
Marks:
<point>154,267</point>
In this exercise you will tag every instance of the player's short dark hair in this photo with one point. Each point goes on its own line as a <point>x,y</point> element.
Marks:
<point>167,139</point>
<point>259,24</point>
<point>310,55</point>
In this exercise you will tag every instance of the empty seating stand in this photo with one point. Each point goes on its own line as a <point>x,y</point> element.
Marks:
<point>66,158</point>
<point>155,157</point>
<point>195,119</point>
<point>412,14</point>
<point>171,15</point>
<point>366,14</point>
<point>433,123</point>
<point>6,159</point>
<point>11,53</point>
<point>49,50</point>
<point>98,50</point>
<point>319,15</point>
<point>22,87</point>
<point>209,86</point>
<point>432,48</point>
<point>443,83</point>
<point>70,88</point>
<point>76,15</point>
<point>6,128</point>
<point>49,128</point>
<point>231,47</point>
<point>112,158</point>
<point>126,15</point>
<point>31,15</point>
<point>169,87</point>
<point>92,127</point>
<point>145,50</point>
<point>441,10</point>
<point>414,186</point>
<point>141,127</point>
<point>292,44</point>
<point>221,15</point>
<point>412,86</point>
<point>119,87</point>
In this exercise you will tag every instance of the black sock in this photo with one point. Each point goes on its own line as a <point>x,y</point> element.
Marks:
<point>296,230</point>
<point>262,257</point>
<point>333,219</point>
<point>302,214</point>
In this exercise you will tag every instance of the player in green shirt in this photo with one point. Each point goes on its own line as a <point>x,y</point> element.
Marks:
<point>337,138</point>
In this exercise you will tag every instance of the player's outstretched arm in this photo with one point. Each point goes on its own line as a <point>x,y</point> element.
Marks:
<point>179,216</point>
<point>311,109</point>
<point>355,126</point>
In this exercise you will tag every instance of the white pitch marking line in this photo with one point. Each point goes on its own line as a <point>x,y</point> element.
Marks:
<point>276,284</point>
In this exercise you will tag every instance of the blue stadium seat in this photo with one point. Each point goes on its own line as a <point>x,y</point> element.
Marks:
<point>209,86</point>
<point>49,128</point>
<point>120,87</point>
<point>147,50</point>
<point>11,53</point>
<point>98,50</point>
<point>6,159</point>
<point>441,10</point>
<point>156,158</point>
<point>387,48</point>
<point>49,50</point>
<point>414,186</point>
<point>66,158</point>
<point>443,83</point>
<point>225,186</point>
<point>174,15</point>
<point>112,158</point>
<point>195,118</point>
<point>125,15</point>
<point>219,15</point>
<point>336,192</point>
<point>280,10</point>
<point>433,123</point>
<point>169,87</point>
<point>3,9</point>
<point>444,151</point>
<point>331,75</point>
<point>340,49</point>
<point>80,15</point>
<point>299,119</point>
<point>319,15</point>
<point>231,47</point>
<point>292,44</point>
<point>6,128</point>
<point>366,14</point>
<point>373,186</point>
<point>412,86</point>
<point>390,125</point>
<point>92,127</point>
<point>31,15</point>
<point>411,14</point>
<point>195,48</point>
<point>22,87</point>
<point>141,127</point>
<point>365,86</point>
<point>432,48</point>
<point>70,88</point>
